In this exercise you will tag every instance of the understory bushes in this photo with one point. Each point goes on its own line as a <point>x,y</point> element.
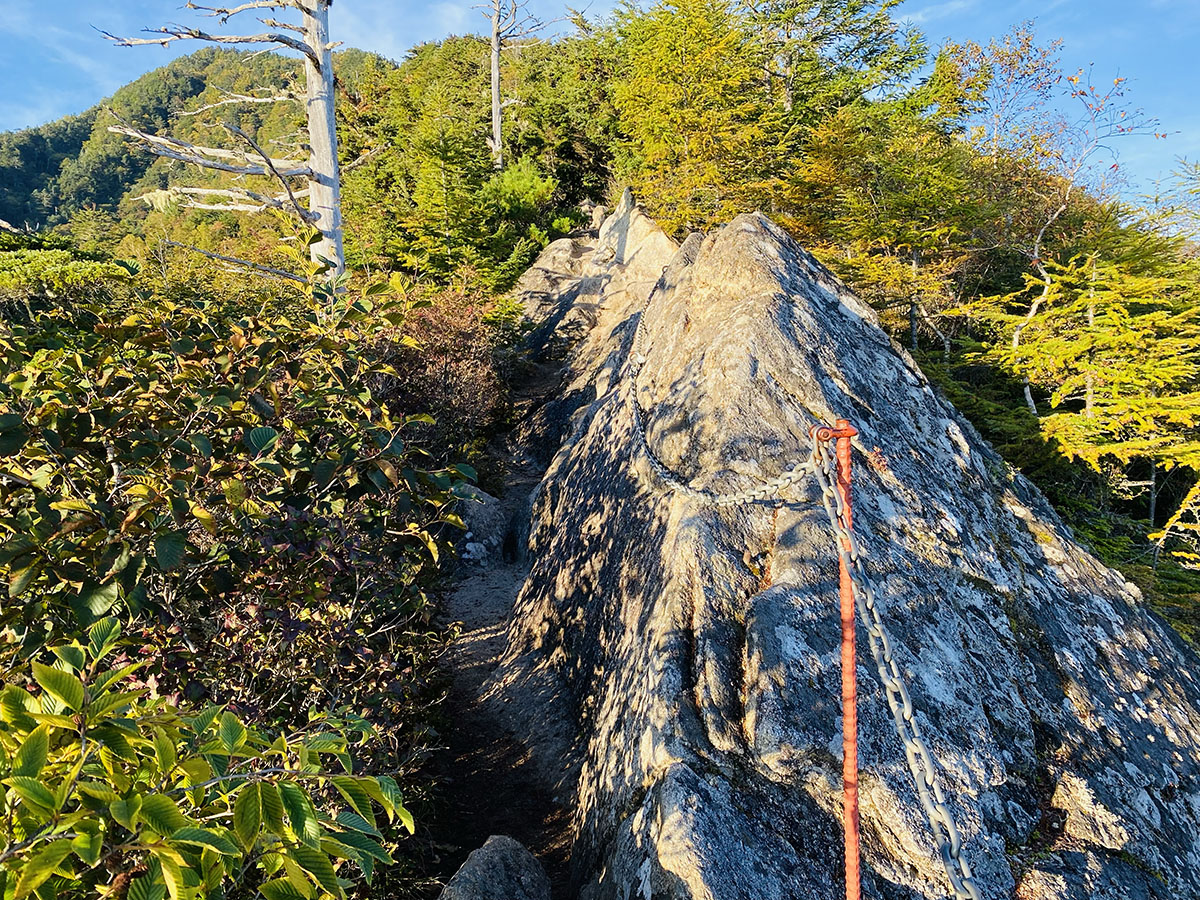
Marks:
<point>459,348</point>
<point>202,490</point>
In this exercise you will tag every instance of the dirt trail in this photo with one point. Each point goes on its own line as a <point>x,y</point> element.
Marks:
<point>486,779</point>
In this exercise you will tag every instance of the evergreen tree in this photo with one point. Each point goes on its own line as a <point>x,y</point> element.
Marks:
<point>703,141</point>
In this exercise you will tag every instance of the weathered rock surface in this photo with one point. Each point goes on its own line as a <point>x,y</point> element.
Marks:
<point>502,869</point>
<point>692,651</point>
<point>486,525</point>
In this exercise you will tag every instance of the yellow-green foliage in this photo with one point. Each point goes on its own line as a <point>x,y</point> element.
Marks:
<point>30,273</point>
<point>703,142</point>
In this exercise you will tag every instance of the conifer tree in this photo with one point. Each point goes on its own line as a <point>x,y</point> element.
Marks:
<point>703,139</point>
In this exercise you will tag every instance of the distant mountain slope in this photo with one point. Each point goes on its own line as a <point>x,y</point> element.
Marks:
<point>49,172</point>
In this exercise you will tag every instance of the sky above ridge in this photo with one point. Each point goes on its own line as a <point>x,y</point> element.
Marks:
<point>54,62</point>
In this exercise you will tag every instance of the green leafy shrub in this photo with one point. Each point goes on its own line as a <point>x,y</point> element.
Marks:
<point>112,794</point>
<point>220,474</point>
<point>54,273</point>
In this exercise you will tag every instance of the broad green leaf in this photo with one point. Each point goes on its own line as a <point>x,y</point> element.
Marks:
<point>164,751</point>
<point>32,754</point>
<point>103,636</point>
<point>300,813</point>
<point>171,871</point>
<point>160,813</point>
<point>260,440</point>
<point>39,867</point>
<point>146,888</point>
<point>272,807</point>
<point>95,600</point>
<point>282,889</point>
<point>348,818</point>
<point>88,846</point>
<point>317,864</point>
<point>247,815</point>
<point>72,655</point>
<point>95,789</point>
<point>205,837</point>
<point>203,444</point>
<point>356,796</point>
<point>170,550</point>
<point>15,706</point>
<point>20,579</point>
<point>32,791</point>
<point>205,718</point>
<point>296,876</point>
<point>232,733</point>
<point>406,819</point>
<point>125,811</point>
<point>364,844</point>
<point>62,685</point>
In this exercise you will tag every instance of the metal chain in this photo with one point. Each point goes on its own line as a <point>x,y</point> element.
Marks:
<point>823,464</point>
<point>765,490</point>
<point>920,761</point>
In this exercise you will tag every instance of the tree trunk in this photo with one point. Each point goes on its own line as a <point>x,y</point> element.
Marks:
<point>497,136</point>
<point>912,303</point>
<point>1089,400</point>
<point>324,186</point>
<point>1019,330</point>
<point>1153,491</point>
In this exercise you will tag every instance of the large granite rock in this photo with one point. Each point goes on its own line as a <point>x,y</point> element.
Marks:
<point>502,869</point>
<point>693,650</point>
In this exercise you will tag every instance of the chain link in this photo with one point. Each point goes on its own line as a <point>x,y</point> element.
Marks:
<point>920,760</point>
<point>823,464</point>
<point>765,490</point>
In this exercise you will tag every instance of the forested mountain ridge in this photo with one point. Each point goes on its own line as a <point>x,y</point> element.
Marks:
<point>245,461</point>
<point>51,172</point>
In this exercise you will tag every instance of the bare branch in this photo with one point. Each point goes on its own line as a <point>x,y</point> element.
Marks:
<point>362,160</point>
<point>211,157</point>
<point>172,33</point>
<point>225,13</point>
<point>257,202</point>
<point>230,99</point>
<point>286,26</point>
<point>266,270</point>
<point>300,210</point>
<point>5,226</point>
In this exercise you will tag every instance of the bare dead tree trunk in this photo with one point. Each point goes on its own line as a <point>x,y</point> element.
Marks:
<point>325,183</point>
<point>509,22</point>
<point>912,302</point>
<point>323,188</point>
<point>497,136</point>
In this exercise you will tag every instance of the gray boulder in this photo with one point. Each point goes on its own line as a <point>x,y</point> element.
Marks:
<point>502,869</point>
<point>692,649</point>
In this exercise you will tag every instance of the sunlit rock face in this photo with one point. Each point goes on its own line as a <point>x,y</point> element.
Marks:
<point>692,651</point>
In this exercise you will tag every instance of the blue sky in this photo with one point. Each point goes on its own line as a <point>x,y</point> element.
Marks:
<point>54,62</point>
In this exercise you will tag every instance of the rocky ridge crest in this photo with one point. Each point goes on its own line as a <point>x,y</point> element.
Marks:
<point>674,666</point>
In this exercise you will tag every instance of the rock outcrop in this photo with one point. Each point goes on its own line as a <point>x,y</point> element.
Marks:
<point>502,869</point>
<point>692,650</point>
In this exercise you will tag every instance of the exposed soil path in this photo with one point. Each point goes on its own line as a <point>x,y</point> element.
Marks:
<point>486,779</point>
